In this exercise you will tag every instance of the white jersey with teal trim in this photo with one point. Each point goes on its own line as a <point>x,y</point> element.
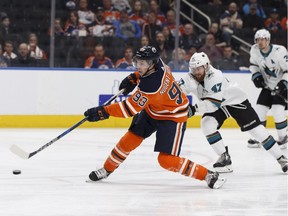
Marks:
<point>214,92</point>
<point>270,65</point>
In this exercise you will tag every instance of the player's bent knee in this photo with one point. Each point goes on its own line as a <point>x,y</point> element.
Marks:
<point>278,112</point>
<point>209,125</point>
<point>130,141</point>
<point>169,162</point>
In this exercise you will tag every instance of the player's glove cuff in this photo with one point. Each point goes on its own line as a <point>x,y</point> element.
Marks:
<point>192,110</point>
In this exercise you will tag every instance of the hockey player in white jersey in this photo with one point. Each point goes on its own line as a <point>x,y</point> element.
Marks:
<point>269,72</point>
<point>220,98</point>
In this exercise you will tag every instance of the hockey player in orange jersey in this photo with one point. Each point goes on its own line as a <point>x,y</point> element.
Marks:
<point>158,105</point>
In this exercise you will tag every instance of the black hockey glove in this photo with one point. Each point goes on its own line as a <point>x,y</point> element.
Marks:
<point>259,81</point>
<point>96,114</point>
<point>128,83</point>
<point>281,88</point>
<point>191,110</point>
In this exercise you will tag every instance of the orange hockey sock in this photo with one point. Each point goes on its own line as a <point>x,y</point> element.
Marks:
<point>121,151</point>
<point>182,165</point>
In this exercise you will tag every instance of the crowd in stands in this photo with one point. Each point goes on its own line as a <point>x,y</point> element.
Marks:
<point>105,33</point>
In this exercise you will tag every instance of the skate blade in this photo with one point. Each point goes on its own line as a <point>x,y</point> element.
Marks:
<point>219,183</point>
<point>90,181</point>
<point>256,145</point>
<point>226,169</point>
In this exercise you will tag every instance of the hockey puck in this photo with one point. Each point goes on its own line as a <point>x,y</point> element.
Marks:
<point>16,172</point>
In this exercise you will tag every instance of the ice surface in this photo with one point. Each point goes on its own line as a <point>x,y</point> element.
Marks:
<point>52,183</point>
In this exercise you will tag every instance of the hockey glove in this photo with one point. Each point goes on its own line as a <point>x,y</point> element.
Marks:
<point>281,88</point>
<point>96,114</point>
<point>258,80</point>
<point>128,83</point>
<point>191,110</point>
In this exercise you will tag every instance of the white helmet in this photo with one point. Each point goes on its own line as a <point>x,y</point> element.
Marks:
<point>197,60</point>
<point>262,33</point>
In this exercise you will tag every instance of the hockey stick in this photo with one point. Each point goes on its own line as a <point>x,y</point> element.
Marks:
<point>26,155</point>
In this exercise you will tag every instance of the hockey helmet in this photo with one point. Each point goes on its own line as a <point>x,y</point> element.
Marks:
<point>147,53</point>
<point>197,60</point>
<point>262,33</point>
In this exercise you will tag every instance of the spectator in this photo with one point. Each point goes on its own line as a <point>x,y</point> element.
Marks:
<point>99,60</point>
<point>100,27</point>
<point>23,58</point>
<point>259,9</point>
<point>4,62</point>
<point>284,23</point>
<point>126,61</point>
<point>4,26</point>
<point>151,28</point>
<point>128,30</point>
<point>160,16</point>
<point>86,16</point>
<point>58,30</point>
<point>144,3</point>
<point>137,13</point>
<point>6,31</point>
<point>178,62</point>
<point>73,26</point>
<point>190,52</point>
<point>214,53</point>
<point>8,50</point>
<point>110,13</point>
<point>171,23</point>
<point>273,22</point>
<point>169,39</point>
<point>189,38</point>
<point>121,4</point>
<point>252,22</point>
<point>70,4</point>
<point>229,60</point>
<point>164,50</point>
<point>34,50</point>
<point>230,20</point>
<point>218,35</point>
<point>144,41</point>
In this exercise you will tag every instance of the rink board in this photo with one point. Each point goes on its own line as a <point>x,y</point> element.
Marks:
<point>51,98</point>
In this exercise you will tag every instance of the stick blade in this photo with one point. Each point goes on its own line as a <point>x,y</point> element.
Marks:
<point>20,152</point>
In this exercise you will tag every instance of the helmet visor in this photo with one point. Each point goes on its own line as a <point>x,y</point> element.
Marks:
<point>140,63</point>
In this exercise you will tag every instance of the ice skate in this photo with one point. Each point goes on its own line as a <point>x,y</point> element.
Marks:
<point>252,143</point>
<point>283,142</point>
<point>283,163</point>
<point>223,164</point>
<point>98,175</point>
<point>213,180</point>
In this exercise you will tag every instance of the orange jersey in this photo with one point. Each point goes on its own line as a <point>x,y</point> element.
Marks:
<point>159,94</point>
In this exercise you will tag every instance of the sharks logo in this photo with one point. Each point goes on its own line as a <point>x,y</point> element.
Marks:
<point>269,72</point>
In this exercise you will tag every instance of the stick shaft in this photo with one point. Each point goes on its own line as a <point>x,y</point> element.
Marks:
<point>15,149</point>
